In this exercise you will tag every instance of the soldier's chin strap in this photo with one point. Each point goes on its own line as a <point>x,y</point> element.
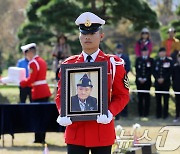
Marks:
<point>114,63</point>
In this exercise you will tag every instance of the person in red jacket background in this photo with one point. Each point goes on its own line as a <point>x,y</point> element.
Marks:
<point>37,79</point>
<point>96,135</point>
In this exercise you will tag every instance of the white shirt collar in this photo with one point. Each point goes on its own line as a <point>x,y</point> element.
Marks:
<point>119,55</point>
<point>82,105</point>
<point>94,55</point>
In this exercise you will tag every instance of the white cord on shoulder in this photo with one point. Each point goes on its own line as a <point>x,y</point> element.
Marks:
<point>114,63</point>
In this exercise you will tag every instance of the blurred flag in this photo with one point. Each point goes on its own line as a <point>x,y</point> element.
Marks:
<point>46,150</point>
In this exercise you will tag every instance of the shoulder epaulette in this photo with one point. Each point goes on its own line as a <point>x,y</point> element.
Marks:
<point>71,58</point>
<point>116,60</point>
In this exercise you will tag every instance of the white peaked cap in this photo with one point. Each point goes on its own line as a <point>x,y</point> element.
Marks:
<point>28,46</point>
<point>88,16</point>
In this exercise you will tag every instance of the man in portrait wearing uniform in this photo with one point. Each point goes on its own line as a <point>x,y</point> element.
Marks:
<point>144,68</point>
<point>83,101</point>
<point>162,73</point>
<point>37,79</point>
<point>96,135</point>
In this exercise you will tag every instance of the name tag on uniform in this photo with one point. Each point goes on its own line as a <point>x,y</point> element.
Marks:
<point>148,64</point>
<point>166,65</point>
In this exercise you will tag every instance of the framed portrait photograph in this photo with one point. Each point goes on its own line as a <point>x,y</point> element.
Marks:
<point>84,90</point>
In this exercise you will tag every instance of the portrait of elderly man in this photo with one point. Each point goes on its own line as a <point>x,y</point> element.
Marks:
<point>82,101</point>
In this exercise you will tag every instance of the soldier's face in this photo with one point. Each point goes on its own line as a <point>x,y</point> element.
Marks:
<point>83,92</point>
<point>162,54</point>
<point>29,55</point>
<point>90,42</point>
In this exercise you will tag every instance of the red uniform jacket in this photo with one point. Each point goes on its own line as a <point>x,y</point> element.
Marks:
<point>90,133</point>
<point>37,79</point>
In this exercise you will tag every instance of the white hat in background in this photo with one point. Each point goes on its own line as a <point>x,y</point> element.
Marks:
<point>28,46</point>
<point>145,30</point>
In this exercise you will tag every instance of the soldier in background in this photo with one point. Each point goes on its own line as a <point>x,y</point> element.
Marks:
<point>176,86</point>
<point>37,79</point>
<point>144,68</point>
<point>162,73</point>
<point>127,64</point>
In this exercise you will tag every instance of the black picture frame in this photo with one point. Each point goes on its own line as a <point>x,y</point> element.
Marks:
<point>70,75</point>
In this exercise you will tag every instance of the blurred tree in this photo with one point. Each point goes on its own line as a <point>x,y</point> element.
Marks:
<point>53,17</point>
<point>175,23</point>
<point>0,62</point>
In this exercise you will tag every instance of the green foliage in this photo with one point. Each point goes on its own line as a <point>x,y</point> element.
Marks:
<point>175,24</point>
<point>11,60</point>
<point>163,31</point>
<point>136,11</point>
<point>48,18</point>
<point>59,15</point>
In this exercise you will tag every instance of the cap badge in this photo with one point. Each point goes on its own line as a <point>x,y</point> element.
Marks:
<point>87,23</point>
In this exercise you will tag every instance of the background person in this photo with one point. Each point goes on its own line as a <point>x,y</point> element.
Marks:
<point>83,101</point>
<point>36,79</point>
<point>171,43</point>
<point>176,86</point>
<point>61,50</point>
<point>97,135</point>
<point>144,69</point>
<point>144,41</point>
<point>127,64</point>
<point>162,73</point>
<point>26,91</point>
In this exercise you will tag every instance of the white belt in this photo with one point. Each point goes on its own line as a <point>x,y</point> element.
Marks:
<point>40,82</point>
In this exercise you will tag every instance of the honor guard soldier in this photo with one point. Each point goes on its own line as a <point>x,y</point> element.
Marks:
<point>144,68</point>
<point>162,73</point>
<point>36,79</point>
<point>176,86</point>
<point>96,135</point>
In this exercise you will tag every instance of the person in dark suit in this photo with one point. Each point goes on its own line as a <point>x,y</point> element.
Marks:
<point>120,53</point>
<point>144,68</point>
<point>176,86</point>
<point>127,65</point>
<point>83,101</point>
<point>162,73</point>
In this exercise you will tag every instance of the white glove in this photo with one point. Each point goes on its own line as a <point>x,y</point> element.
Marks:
<point>103,119</point>
<point>64,121</point>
